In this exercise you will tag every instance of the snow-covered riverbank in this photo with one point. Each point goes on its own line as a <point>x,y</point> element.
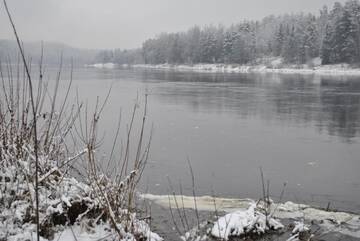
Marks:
<point>68,209</point>
<point>223,68</point>
<point>340,69</point>
<point>329,222</point>
<point>264,65</point>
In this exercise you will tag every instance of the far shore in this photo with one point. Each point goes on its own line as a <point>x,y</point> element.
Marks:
<point>233,68</point>
<point>340,69</point>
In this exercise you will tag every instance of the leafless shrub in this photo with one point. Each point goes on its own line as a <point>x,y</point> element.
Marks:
<point>36,127</point>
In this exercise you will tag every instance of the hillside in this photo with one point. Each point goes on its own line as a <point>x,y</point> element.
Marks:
<point>52,52</point>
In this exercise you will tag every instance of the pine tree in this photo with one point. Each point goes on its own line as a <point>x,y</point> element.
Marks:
<point>279,40</point>
<point>208,46</point>
<point>327,46</point>
<point>345,40</point>
<point>219,38</point>
<point>237,49</point>
<point>192,49</point>
<point>253,44</point>
<point>227,46</point>
<point>353,8</point>
<point>311,40</point>
<point>290,49</point>
<point>322,23</point>
<point>175,50</point>
<point>336,39</point>
<point>299,45</point>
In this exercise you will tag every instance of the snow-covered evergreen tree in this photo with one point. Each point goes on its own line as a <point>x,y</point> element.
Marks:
<point>334,35</point>
<point>279,40</point>
<point>321,25</point>
<point>228,45</point>
<point>344,39</point>
<point>208,46</point>
<point>353,8</point>
<point>311,39</point>
<point>327,46</point>
<point>290,48</point>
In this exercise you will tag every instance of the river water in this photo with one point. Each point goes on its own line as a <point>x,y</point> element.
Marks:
<point>300,129</point>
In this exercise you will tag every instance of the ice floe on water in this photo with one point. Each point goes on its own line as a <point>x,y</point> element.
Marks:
<point>204,203</point>
<point>242,214</point>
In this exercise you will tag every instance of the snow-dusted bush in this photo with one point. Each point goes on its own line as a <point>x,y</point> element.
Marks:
<point>98,204</point>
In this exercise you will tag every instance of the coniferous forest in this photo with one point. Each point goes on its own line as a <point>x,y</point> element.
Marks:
<point>333,35</point>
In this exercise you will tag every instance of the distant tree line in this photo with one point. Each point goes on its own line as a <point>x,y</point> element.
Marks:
<point>52,53</point>
<point>333,35</point>
<point>127,56</point>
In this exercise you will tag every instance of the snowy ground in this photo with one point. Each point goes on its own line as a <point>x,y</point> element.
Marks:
<point>80,233</point>
<point>261,65</point>
<point>102,65</point>
<point>56,205</point>
<point>232,68</point>
<point>68,209</point>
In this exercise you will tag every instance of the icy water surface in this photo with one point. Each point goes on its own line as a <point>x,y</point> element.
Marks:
<point>301,129</point>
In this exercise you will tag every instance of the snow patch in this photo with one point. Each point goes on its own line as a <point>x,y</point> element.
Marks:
<point>273,67</point>
<point>102,65</point>
<point>244,222</point>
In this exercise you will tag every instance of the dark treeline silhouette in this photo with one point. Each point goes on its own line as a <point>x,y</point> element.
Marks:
<point>333,35</point>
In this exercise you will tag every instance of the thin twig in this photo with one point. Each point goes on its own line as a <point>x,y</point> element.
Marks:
<point>194,194</point>
<point>34,125</point>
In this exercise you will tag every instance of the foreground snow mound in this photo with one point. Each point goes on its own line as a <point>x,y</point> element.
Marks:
<point>69,210</point>
<point>244,222</point>
<point>66,205</point>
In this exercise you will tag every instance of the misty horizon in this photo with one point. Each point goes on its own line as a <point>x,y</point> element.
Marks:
<point>85,26</point>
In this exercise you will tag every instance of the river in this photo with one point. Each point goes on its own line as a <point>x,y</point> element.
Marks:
<point>300,129</point>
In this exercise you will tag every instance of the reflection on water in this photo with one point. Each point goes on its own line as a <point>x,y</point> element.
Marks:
<point>330,104</point>
<point>302,129</point>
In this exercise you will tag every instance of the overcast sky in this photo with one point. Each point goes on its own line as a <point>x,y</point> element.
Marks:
<point>127,23</point>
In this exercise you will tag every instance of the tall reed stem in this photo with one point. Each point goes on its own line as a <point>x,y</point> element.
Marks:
<point>34,127</point>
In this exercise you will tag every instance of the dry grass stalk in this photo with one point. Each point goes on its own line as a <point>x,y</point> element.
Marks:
<point>35,143</point>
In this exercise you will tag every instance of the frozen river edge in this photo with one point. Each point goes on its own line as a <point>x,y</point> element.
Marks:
<point>331,223</point>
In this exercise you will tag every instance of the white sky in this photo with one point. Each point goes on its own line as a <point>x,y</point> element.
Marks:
<point>127,23</point>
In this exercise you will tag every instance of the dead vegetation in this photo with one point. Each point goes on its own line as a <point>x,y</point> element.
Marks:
<point>44,139</point>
